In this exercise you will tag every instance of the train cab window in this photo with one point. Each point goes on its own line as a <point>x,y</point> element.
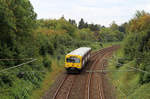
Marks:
<point>73,60</point>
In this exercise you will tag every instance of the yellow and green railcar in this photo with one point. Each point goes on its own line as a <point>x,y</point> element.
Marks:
<point>77,59</point>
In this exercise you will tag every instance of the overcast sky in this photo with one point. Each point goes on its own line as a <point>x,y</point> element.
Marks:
<point>93,11</point>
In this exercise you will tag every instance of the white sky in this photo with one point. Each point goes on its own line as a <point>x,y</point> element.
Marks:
<point>93,11</point>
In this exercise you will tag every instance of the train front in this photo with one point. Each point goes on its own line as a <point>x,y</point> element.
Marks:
<point>73,63</point>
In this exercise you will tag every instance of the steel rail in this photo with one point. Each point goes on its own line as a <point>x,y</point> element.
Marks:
<point>93,66</point>
<point>99,89</point>
<point>103,51</point>
<point>68,94</point>
<point>102,95</point>
<point>61,84</point>
<point>99,51</point>
<point>90,76</point>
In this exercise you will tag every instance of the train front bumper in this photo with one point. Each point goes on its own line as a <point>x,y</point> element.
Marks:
<point>72,68</point>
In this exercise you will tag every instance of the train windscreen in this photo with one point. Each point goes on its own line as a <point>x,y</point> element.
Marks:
<point>73,60</point>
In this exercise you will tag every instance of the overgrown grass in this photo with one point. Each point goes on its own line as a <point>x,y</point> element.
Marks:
<point>56,67</point>
<point>126,80</point>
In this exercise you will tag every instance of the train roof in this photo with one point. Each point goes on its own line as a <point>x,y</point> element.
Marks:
<point>80,51</point>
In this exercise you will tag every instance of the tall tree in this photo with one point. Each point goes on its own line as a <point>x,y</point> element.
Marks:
<point>16,27</point>
<point>140,14</point>
<point>94,27</point>
<point>81,24</point>
<point>73,22</point>
<point>123,27</point>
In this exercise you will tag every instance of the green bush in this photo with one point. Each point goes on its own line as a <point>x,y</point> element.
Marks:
<point>47,62</point>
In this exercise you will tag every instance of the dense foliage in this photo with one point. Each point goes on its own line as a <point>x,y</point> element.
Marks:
<point>137,44</point>
<point>111,34</point>
<point>134,59</point>
<point>17,21</point>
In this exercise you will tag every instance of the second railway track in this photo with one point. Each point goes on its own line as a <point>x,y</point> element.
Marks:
<point>97,81</point>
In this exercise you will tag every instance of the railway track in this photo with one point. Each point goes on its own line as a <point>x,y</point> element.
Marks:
<point>63,82</point>
<point>88,83</point>
<point>98,58</point>
<point>97,52</point>
<point>91,76</point>
<point>72,80</point>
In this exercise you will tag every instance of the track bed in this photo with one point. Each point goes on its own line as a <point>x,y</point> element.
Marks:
<point>89,84</point>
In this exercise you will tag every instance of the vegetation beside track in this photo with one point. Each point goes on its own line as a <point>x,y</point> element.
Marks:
<point>50,77</point>
<point>130,66</point>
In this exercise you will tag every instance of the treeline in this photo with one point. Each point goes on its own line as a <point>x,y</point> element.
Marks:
<point>62,35</point>
<point>113,33</point>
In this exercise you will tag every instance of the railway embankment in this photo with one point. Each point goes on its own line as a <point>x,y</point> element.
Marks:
<point>125,78</point>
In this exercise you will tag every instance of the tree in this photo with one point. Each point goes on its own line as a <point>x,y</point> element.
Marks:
<point>62,17</point>
<point>140,14</point>
<point>114,26</point>
<point>123,28</point>
<point>16,27</point>
<point>81,24</point>
<point>94,27</point>
<point>86,25</point>
<point>140,22</point>
<point>73,22</point>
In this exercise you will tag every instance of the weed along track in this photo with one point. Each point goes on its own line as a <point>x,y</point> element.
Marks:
<point>89,84</point>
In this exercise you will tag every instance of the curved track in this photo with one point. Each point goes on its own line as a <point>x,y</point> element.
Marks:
<point>92,75</point>
<point>87,85</point>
